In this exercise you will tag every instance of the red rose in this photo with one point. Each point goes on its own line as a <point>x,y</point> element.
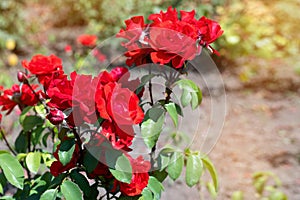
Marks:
<point>118,104</point>
<point>60,93</point>
<point>44,66</point>
<point>133,31</point>
<point>138,56</point>
<point>87,40</point>
<point>209,30</point>
<point>100,170</point>
<point>119,72</point>
<point>17,95</point>
<point>173,39</point>
<point>140,177</point>
<point>83,104</point>
<point>68,49</point>
<point>170,15</point>
<point>168,39</point>
<point>120,137</point>
<point>57,167</point>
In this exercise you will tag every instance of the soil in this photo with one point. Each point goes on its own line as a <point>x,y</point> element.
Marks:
<point>261,133</point>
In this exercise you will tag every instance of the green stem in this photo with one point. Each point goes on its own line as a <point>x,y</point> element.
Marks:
<point>6,142</point>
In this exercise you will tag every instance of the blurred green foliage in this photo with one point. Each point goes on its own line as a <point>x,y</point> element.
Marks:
<point>11,20</point>
<point>106,17</point>
<point>259,29</point>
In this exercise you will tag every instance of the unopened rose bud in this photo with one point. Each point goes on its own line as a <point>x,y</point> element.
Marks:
<point>56,116</point>
<point>21,77</point>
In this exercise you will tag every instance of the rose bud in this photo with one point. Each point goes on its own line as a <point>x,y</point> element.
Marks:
<point>21,77</point>
<point>56,116</point>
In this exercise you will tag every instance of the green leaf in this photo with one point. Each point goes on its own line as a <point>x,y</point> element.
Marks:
<point>33,161</point>
<point>178,109</point>
<point>185,98</point>
<point>123,169</point>
<point>49,194</point>
<point>160,175</point>
<point>211,189</point>
<point>40,109</point>
<point>175,165</point>
<point>12,170</point>
<point>260,183</point>
<point>154,113</point>
<point>155,186</point>
<point>7,198</point>
<point>81,181</point>
<point>48,159</point>
<point>31,121</point>
<point>195,100</point>
<point>24,113</point>
<point>66,151</point>
<point>147,194</point>
<point>36,134</point>
<point>45,139</point>
<point>3,182</point>
<point>71,191</point>
<point>171,108</point>
<point>194,169</point>
<point>151,130</point>
<point>21,143</point>
<point>89,161</point>
<point>191,93</point>
<point>163,161</point>
<point>213,173</point>
<point>145,79</point>
<point>237,195</point>
<point>277,195</point>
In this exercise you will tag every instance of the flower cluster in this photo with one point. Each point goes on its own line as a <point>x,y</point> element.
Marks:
<point>168,39</point>
<point>93,120</point>
<point>109,97</point>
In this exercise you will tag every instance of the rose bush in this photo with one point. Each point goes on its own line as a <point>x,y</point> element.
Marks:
<point>92,121</point>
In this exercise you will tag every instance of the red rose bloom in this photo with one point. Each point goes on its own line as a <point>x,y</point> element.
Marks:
<point>133,31</point>
<point>83,103</point>
<point>138,56</point>
<point>68,49</point>
<point>87,40</point>
<point>118,104</point>
<point>17,95</point>
<point>140,177</point>
<point>44,66</point>
<point>173,39</point>
<point>168,39</point>
<point>60,93</point>
<point>119,136</point>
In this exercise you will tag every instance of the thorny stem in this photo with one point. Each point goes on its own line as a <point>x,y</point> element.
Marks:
<point>150,89</point>
<point>6,142</point>
<point>78,140</point>
<point>36,96</point>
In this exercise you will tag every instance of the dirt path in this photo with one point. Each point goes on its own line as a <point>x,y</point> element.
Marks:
<point>261,133</point>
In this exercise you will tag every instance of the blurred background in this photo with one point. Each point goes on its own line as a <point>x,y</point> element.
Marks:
<point>259,62</point>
